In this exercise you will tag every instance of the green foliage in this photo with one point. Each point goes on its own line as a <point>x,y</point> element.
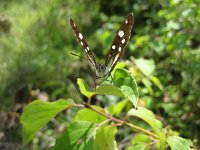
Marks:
<point>123,85</point>
<point>90,128</point>
<point>105,138</point>
<point>39,113</point>
<point>82,115</point>
<point>116,109</point>
<point>177,143</point>
<point>150,119</point>
<point>79,135</point>
<point>126,83</point>
<point>146,66</point>
<point>163,55</point>
<point>85,90</point>
<point>139,142</point>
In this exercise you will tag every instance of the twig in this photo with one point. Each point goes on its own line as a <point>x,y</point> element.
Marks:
<point>120,121</point>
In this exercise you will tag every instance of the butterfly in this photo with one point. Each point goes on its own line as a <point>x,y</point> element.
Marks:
<point>117,48</point>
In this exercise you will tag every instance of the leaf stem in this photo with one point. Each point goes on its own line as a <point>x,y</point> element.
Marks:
<point>89,100</point>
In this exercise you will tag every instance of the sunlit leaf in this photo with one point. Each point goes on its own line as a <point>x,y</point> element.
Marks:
<point>140,142</point>
<point>39,113</point>
<point>139,138</point>
<point>156,81</point>
<point>116,109</point>
<point>109,90</point>
<point>148,85</point>
<point>126,83</point>
<point>177,143</point>
<point>121,64</point>
<point>105,138</point>
<point>86,114</point>
<point>147,66</point>
<point>172,25</point>
<point>84,88</point>
<point>150,119</point>
<point>141,146</point>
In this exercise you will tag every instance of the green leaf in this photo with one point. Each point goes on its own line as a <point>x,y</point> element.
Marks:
<point>89,115</point>
<point>172,25</point>
<point>141,146</point>
<point>150,119</point>
<point>116,109</point>
<point>148,85</point>
<point>84,88</point>
<point>147,116</point>
<point>121,64</point>
<point>177,143</point>
<point>105,138</point>
<point>140,142</point>
<point>39,113</point>
<point>78,136</point>
<point>147,66</point>
<point>141,138</point>
<point>156,81</point>
<point>126,83</point>
<point>109,90</point>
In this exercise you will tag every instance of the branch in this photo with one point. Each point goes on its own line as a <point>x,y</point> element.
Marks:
<point>117,120</point>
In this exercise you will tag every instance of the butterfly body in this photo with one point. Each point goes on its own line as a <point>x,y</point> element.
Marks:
<point>100,71</point>
<point>117,48</point>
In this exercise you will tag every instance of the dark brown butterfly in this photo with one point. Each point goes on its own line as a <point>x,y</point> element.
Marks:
<point>116,50</point>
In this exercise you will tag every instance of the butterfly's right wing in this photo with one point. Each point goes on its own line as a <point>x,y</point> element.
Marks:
<point>82,42</point>
<point>119,43</point>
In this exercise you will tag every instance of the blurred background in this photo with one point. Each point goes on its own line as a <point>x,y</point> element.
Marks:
<point>35,62</point>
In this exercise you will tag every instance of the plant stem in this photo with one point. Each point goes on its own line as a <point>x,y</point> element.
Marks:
<point>119,121</point>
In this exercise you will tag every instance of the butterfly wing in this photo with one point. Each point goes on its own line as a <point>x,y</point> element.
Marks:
<point>119,43</point>
<point>82,42</point>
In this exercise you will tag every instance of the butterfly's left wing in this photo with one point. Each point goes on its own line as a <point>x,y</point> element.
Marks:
<point>120,41</point>
<point>82,42</point>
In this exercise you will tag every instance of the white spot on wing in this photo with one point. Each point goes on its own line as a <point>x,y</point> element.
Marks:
<point>123,41</point>
<point>113,47</point>
<point>80,36</point>
<point>126,21</point>
<point>88,48</point>
<point>74,25</point>
<point>121,33</point>
<point>81,43</point>
<point>119,49</point>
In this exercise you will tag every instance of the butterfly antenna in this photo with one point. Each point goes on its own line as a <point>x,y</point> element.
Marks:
<point>78,55</point>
